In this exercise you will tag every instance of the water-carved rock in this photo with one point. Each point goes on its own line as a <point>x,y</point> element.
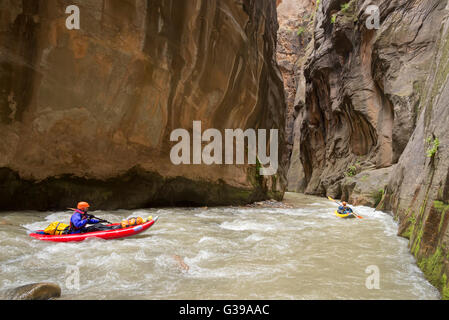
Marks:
<point>35,291</point>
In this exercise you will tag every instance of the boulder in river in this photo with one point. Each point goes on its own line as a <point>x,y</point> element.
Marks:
<point>34,291</point>
<point>366,188</point>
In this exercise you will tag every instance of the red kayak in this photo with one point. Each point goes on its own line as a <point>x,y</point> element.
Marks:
<point>107,235</point>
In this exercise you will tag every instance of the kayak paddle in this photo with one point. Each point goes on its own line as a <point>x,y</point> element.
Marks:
<point>100,220</point>
<point>353,213</point>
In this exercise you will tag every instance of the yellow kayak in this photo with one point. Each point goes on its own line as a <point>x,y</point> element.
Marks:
<point>344,216</point>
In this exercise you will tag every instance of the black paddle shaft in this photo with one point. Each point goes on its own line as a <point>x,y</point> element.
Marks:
<point>91,216</point>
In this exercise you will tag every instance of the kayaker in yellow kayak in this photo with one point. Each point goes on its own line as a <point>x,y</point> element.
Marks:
<point>344,208</point>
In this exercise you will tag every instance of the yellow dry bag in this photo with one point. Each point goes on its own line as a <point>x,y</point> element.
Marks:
<point>56,228</point>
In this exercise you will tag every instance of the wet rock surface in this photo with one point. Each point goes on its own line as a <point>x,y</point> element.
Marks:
<point>366,188</point>
<point>361,102</point>
<point>374,126</point>
<point>85,106</point>
<point>35,291</point>
<point>418,189</point>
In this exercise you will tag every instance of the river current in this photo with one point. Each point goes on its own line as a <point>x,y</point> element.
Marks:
<point>304,252</point>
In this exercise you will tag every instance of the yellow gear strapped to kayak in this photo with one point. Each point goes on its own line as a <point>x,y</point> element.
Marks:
<point>56,228</point>
<point>134,221</point>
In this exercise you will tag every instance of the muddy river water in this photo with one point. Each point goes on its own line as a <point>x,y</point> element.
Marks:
<point>304,252</point>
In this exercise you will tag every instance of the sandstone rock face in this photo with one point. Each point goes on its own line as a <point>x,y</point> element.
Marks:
<point>366,188</point>
<point>361,98</point>
<point>418,190</point>
<point>87,114</point>
<point>375,117</point>
<point>35,291</point>
<point>295,32</point>
<point>294,45</point>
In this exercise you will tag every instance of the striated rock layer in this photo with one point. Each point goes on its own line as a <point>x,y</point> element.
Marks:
<point>87,114</point>
<point>377,109</point>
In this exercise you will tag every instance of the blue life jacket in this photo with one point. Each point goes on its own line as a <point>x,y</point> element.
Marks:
<point>344,210</point>
<point>79,220</point>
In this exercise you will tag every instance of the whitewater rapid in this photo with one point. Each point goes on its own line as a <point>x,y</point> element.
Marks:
<point>304,252</point>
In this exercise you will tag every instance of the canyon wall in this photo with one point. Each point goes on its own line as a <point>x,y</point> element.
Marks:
<point>87,114</point>
<point>373,129</point>
<point>296,22</point>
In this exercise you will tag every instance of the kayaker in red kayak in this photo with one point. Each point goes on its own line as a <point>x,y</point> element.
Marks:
<point>80,219</point>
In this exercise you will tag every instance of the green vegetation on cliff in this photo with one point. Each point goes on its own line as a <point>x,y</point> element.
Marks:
<point>377,196</point>
<point>432,265</point>
<point>346,9</point>
<point>434,145</point>
<point>433,268</point>
<point>442,208</point>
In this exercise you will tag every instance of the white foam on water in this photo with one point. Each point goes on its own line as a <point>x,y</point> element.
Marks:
<point>316,204</point>
<point>242,212</point>
<point>207,215</point>
<point>141,213</point>
<point>163,211</point>
<point>202,255</point>
<point>141,256</point>
<point>237,225</point>
<point>295,212</point>
<point>31,227</point>
<point>208,239</point>
<point>227,272</point>
<point>254,238</point>
<point>63,217</point>
<point>58,216</point>
<point>165,262</point>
